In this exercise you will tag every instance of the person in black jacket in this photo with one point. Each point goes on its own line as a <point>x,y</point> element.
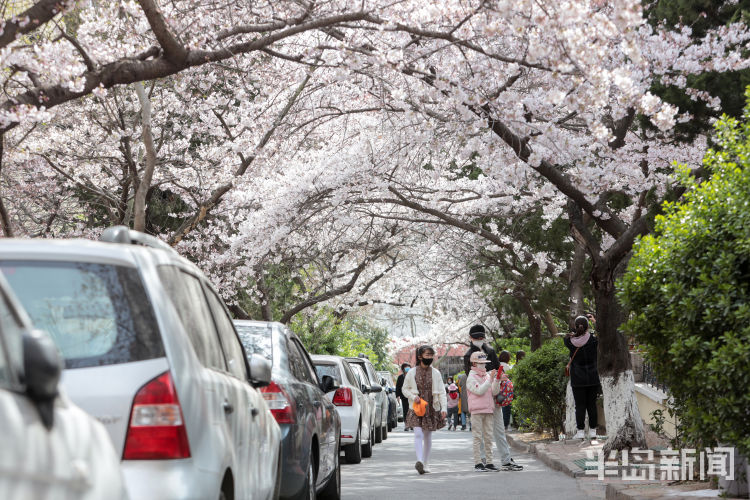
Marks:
<point>584,378</point>
<point>476,336</point>
<point>399,385</point>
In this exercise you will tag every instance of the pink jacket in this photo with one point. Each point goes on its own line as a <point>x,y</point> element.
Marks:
<point>480,393</point>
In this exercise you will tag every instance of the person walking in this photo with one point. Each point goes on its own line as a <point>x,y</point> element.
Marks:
<point>463,404</point>
<point>454,400</point>
<point>479,385</point>
<point>477,336</point>
<point>423,387</point>
<point>584,377</point>
<point>504,358</point>
<point>399,394</point>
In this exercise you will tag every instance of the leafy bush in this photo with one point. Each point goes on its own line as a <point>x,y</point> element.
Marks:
<point>512,345</point>
<point>688,286</point>
<point>539,381</point>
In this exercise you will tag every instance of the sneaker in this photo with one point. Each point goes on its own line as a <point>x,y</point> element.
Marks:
<point>579,434</point>
<point>426,470</point>
<point>592,433</point>
<point>463,427</point>
<point>480,467</point>
<point>511,466</point>
<point>491,467</point>
<point>419,466</point>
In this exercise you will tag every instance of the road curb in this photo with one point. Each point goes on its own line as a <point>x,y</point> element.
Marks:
<point>550,459</point>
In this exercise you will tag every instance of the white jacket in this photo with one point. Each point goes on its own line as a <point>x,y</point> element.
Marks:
<point>439,399</point>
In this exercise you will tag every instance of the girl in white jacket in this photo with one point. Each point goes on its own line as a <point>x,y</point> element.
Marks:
<point>424,383</point>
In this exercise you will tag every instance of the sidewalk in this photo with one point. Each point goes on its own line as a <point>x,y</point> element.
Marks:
<point>569,457</point>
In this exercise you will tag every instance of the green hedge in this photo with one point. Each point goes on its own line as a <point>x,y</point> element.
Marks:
<point>539,385</point>
<point>688,286</point>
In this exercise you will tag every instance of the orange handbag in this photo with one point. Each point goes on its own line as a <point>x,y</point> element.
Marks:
<point>420,408</point>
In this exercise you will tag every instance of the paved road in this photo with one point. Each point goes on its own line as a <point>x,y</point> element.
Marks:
<point>390,473</point>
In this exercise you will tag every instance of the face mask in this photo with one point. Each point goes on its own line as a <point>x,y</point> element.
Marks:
<point>406,370</point>
<point>478,343</point>
<point>481,368</point>
<point>426,361</point>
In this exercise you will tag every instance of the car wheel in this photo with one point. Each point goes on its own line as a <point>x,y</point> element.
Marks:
<point>367,448</point>
<point>384,432</point>
<point>353,452</point>
<point>332,490</point>
<point>277,486</point>
<point>308,493</point>
<point>378,435</point>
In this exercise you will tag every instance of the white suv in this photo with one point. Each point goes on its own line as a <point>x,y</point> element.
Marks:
<point>151,352</point>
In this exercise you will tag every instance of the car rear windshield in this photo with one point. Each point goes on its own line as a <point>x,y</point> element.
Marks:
<point>256,340</point>
<point>330,370</point>
<point>97,314</point>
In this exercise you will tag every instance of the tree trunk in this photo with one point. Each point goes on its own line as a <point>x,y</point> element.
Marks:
<point>624,423</point>
<point>549,322</point>
<point>139,204</point>
<point>535,322</point>
<point>4,219</point>
<point>575,283</point>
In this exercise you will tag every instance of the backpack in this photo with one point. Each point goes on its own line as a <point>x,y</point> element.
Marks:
<point>453,394</point>
<point>505,396</point>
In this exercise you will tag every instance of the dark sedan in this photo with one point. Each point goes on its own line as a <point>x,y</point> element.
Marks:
<point>310,425</point>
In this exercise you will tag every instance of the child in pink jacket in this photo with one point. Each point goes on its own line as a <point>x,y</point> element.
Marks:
<point>481,407</point>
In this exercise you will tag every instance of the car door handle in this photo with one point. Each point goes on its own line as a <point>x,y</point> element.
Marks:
<point>228,408</point>
<point>254,412</point>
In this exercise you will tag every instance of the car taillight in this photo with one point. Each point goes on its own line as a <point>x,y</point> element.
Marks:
<point>278,402</point>
<point>157,429</point>
<point>342,396</point>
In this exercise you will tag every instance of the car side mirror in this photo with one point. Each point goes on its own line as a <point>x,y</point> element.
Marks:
<point>328,384</point>
<point>260,371</point>
<point>43,366</point>
<point>376,388</point>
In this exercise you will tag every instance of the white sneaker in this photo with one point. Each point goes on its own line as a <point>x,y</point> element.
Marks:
<point>579,435</point>
<point>592,433</point>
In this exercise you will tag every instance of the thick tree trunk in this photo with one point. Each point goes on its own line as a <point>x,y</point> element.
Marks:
<point>535,322</point>
<point>4,219</point>
<point>624,423</point>
<point>549,322</point>
<point>139,204</point>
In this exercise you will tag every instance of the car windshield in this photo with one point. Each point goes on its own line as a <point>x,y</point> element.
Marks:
<point>327,369</point>
<point>256,340</point>
<point>97,314</point>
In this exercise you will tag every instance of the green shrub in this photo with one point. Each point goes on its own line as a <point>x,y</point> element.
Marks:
<point>539,385</point>
<point>688,287</point>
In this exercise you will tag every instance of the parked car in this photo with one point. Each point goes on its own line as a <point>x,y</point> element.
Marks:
<point>310,424</point>
<point>386,380</point>
<point>50,447</point>
<point>352,405</point>
<point>363,380</point>
<point>381,398</point>
<point>150,351</point>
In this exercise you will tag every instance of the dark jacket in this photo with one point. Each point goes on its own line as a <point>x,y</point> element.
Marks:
<point>583,368</point>
<point>399,385</point>
<point>494,363</point>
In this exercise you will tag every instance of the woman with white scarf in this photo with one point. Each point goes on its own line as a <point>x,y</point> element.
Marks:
<point>584,378</point>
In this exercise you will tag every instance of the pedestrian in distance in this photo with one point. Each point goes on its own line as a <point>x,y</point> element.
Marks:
<point>423,386</point>
<point>584,377</point>
<point>504,358</point>
<point>481,406</point>
<point>400,395</point>
<point>454,399</point>
<point>463,405</point>
<point>520,355</point>
<point>477,337</point>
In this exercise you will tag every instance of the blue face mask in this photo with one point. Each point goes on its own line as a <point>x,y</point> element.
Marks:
<point>406,370</point>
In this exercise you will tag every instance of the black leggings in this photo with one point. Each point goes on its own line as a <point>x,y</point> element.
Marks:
<point>585,398</point>
<point>405,406</point>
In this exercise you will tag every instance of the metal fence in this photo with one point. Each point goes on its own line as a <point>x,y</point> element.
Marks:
<point>650,378</point>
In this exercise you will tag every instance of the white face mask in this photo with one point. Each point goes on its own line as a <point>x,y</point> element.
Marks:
<point>478,343</point>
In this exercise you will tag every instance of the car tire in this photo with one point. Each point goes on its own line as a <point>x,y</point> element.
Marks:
<point>308,491</point>
<point>353,452</point>
<point>332,491</point>
<point>367,448</point>
<point>277,487</point>
<point>384,432</point>
<point>378,434</point>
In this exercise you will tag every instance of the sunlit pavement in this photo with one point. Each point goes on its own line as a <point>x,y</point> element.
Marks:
<point>390,473</point>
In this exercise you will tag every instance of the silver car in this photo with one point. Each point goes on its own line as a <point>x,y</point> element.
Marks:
<point>150,351</point>
<point>351,403</point>
<point>50,448</point>
<point>377,393</point>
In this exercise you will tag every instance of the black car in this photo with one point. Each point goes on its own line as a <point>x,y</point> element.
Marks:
<point>386,380</point>
<point>309,422</point>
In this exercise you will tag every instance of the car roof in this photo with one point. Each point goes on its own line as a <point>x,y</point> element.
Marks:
<point>82,250</point>
<point>326,357</point>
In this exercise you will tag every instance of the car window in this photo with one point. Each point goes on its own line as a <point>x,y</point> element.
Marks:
<point>328,369</point>
<point>11,346</point>
<point>256,340</point>
<point>298,364</point>
<point>308,363</point>
<point>185,292</point>
<point>359,370</point>
<point>371,372</point>
<point>97,314</point>
<point>233,352</point>
<point>351,378</point>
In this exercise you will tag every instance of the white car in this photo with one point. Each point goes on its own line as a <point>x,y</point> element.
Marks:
<point>352,405</point>
<point>150,351</point>
<point>50,448</point>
